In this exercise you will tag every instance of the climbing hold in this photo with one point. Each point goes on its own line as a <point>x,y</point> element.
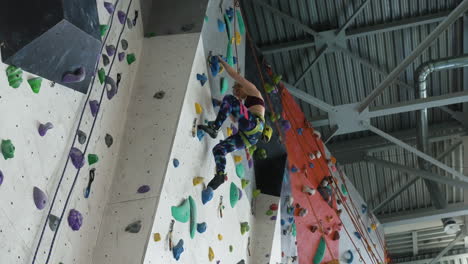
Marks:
<point>53,222</point>
<point>348,256</point>
<point>244,226</point>
<point>230,13</point>
<point>215,66</point>
<point>197,180</point>
<point>1,177</point>
<point>306,189</point>
<point>234,129</point>
<point>237,158</point>
<point>157,237</point>
<point>124,44</point>
<point>181,213</point>
<point>228,131</point>
<point>231,248</point>
<point>187,27</point>
<point>178,249</point>
<point>134,20</point>
<point>343,189</point>
<point>14,76</point>
<point>40,198</point>
<point>77,75</point>
<point>234,195</point>
<point>150,35</point>
<point>317,134</point>
<point>358,235</point>
<point>285,125</point>
<point>373,227</point>
<point>240,171</point>
<point>210,254</point>
<point>277,79</point>
<point>329,218</point>
<point>108,140</point>
<point>241,262</point>
<point>103,29</point>
<point>8,149</point>
<point>43,128</point>
<point>228,27</point>
<point>92,159</point>
<point>206,18</point>
<point>224,85</point>
<point>294,169</point>
<point>299,131</point>
<point>221,26</point>
<point>268,87</point>
<point>159,95</point>
<point>198,108</point>
<point>75,219</point>
<point>134,227</point>
<point>109,7</point>
<point>320,252</point>
<point>369,229</point>
<point>101,75</point>
<point>237,39</point>
<point>318,154</point>
<point>200,134</point>
<point>110,49</point>
<point>81,137</point>
<point>143,189</point>
<point>269,212</point>
<point>35,84</point>
<point>201,228</point>
<point>240,193</point>
<point>244,183</point>
<point>77,158</point>
<point>363,208</point>
<point>261,154</point>
<point>220,237</point>
<point>121,16</point>
<point>193,217</point>
<point>274,207</point>
<point>250,163</point>
<point>311,165</point>
<point>105,60</point>
<point>175,162</point>
<point>121,56</point>
<point>291,219</point>
<point>240,22</point>
<point>303,212</point>
<point>256,193</point>
<point>202,78</point>
<point>207,195</point>
<point>131,58</point>
<point>230,60</point>
<point>273,218</point>
<point>94,106</point>
<point>336,235</point>
<point>129,23</point>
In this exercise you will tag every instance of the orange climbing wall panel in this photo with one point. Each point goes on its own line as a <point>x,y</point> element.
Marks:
<point>298,148</point>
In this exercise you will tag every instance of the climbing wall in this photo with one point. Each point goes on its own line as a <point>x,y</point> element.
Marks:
<point>42,161</point>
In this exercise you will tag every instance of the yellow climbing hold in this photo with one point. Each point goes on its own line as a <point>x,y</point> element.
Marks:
<point>157,237</point>
<point>210,254</point>
<point>198,108</point>
<point>237,38</point>
<point>220,237</point>
<point>237,158</point>
<point>373,227</point>
<point>197,180</point>
<point>229,131</point>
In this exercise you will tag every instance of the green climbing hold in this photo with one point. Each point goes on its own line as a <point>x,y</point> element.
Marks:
<point>206,18</point>
<point>343,189</point>
<point>224,85</point>
<point>131,58</point>
<point>240,170</point>
<point>193,217</point>
<point>244,183</point>
<point>275,117</point>
<point>14,75</point>
<point>92,158</point>
<point>294,230</point>
<point>103,29</point>
<point>231,248</point>
<point>230,59</point>
<point>244,227</point>
<point>269,212</point>
<point>240,22</point>
<point>234,195</point>
<point>261,154</point>
<point>181,213</point>
<point>8,149</point>
<point>256,193</point>
<point>228,27</point>
<point>269,88</point>
<point>35,84</point>
<point>150,35</point>
<point>320,253</point>
<point>101,75</point>
<point>277,79</point>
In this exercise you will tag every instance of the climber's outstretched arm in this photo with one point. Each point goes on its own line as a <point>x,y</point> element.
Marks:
<point>249,88</point>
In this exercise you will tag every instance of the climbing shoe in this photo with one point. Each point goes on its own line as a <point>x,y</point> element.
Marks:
<point>210,129</point>
<point>219,178</point>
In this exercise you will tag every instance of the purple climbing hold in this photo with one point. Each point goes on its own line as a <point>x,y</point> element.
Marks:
<point>1,177</point>
<point>202,78</point>
<point>234,129</point>
<point>109,7</point>
<point>110,49</point>
<point>285,125</point>
<point>40,198</point>
<point>44,127</point>
<point>75,76</point>
<point>77,158</point>
<point>143,189</point>
<point>113,87</point>
<point>94,106</point>
<point>250,163</point>
<point>240,193</point>
<point>75,220</point>
<point>121,56</point>
<point>122,17</point>
<point>273,218</point>
<point>178,249</point>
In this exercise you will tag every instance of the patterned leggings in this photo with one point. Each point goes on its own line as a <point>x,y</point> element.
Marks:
<point>232,106</point>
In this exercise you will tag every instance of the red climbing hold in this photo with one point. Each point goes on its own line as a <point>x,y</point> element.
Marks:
<point>274,207</point>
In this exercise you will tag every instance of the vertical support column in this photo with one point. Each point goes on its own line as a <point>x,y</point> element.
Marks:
<point>414,236</point>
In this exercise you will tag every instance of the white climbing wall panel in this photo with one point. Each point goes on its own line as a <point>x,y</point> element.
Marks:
<point>39,161</point>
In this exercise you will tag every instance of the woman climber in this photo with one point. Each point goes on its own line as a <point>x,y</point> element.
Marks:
<point>251,124</point>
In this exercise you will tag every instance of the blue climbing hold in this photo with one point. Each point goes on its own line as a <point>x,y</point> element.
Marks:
<point>202,78</point>
<point>294,169</point>
<point>364,208</point>
<point>291,219</point>
<point>221,25</point>
<point>369,229</point>
<point>215,67</point>
<point>357,235</point>
<point>178,249</point>
<point>349,259</point>
<point>234,59</point>
<point>230,13</point>
<point>201,228</point>
<point>283,222</point>
<point>200,134</point>
<point>207,195</point>
<point>175,162</point>
<point>299,131</point>
<point>311,165</point>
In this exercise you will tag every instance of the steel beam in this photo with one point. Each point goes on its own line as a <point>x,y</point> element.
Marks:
<point>452,17</point>
<point>319,121</point>
<point>414,238</point>
<point>353,16</point>
<point>459,237</point>
<point>419,154</point>
<point>424,215</point>
<point>309,98</point>
<point>292,45</point>
<point>320,54</point>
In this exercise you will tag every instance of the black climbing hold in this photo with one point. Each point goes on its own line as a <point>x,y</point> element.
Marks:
<point>119,78</point>
<point>129,23</point>
<point>124,44</point>
<point>187,27</point>
<point>134,227</point>
<point>105,60</point>
<point>113,87</point>
<point>109,140</point>
<point>92,173</point>
<point>53,222</point>
<point>134,21</point>
<point>81,137</point>
<point>159,95</point>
